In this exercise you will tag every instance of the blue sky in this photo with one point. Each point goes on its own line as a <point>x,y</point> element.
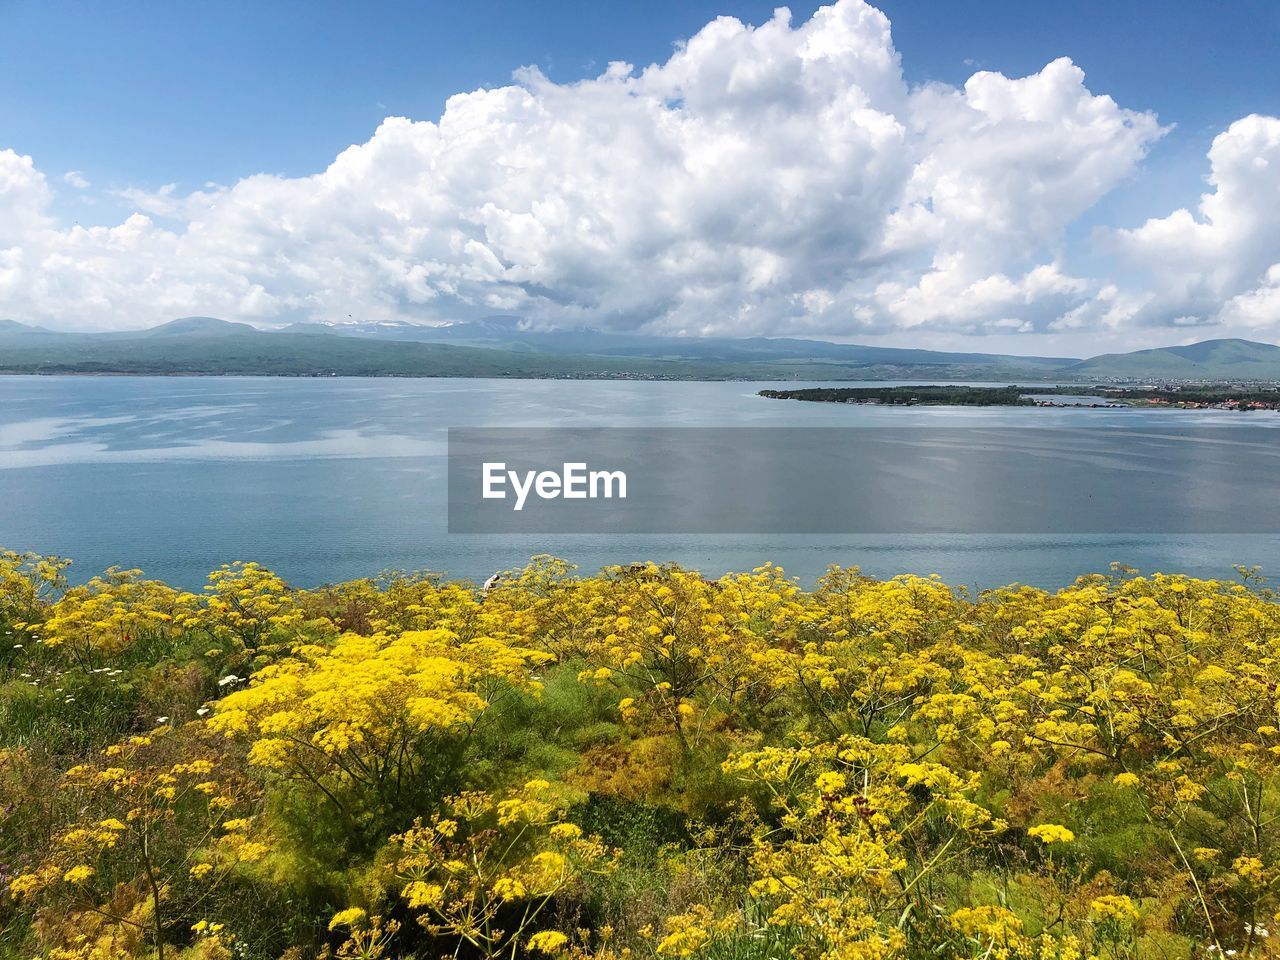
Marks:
<point>138,95</point>
<point>147,93</point>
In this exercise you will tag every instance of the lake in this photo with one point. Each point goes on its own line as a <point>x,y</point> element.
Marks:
<point>332,479</point>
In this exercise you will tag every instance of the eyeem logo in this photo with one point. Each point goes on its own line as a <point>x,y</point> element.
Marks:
<point>574,482</point>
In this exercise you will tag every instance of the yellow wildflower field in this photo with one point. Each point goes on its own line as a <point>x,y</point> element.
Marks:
<point>642,762</point>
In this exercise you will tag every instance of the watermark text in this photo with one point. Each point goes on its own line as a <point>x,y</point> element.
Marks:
<point>573,482</point>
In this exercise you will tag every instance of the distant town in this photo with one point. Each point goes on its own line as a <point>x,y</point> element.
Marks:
<point>1200,396</point>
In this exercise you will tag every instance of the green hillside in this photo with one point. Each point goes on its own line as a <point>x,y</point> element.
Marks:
<point>206,346</point>
<point>498,348</point>
<point>1207,360</point>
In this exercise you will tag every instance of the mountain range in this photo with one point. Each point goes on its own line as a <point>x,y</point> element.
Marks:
<point>504,347</point>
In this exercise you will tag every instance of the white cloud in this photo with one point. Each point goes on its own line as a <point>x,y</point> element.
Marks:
<point>1219,266</point>
<point>24,196</point>
<point>76,179</point>
<point>775,179</point>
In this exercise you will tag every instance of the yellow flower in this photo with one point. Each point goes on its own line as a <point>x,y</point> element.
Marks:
<point>1113,907</point>
<point>1249,868</point>
<point>547,941</point>
<point>252,852</point>
<point>997,924</point>
<point>24,885</point>
<point>1051,833</point>
<point>830,782</point>
<point>508,888</point>
<point>351,917</point>
<point>421,894</point>
<point>78,874</point>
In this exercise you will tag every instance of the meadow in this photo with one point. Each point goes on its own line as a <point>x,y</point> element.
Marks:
<point>639,763</point>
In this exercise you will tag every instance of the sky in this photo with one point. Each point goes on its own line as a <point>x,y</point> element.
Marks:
<point>1028,177</point>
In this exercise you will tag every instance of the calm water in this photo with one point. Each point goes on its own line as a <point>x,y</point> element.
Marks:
<point>339,478</point>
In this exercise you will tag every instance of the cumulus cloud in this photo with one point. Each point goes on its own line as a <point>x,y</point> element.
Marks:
<point>24,197</point>
<point>1218,266</point>
<point>778,179</point>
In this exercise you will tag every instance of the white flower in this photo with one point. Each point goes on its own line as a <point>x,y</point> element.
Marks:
<point>162,719</point>
<point>229,678</point>
<point>202,711</point>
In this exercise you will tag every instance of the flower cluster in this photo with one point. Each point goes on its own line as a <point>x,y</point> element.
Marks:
<point>640,763</point>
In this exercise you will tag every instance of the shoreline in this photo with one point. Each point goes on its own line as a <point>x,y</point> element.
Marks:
<point>450,376</point>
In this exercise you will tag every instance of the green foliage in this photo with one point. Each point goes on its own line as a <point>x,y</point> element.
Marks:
<point>640,762</point>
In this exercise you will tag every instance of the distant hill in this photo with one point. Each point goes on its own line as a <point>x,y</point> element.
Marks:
<point>1207,360</point>
<point>14,327</point>
<point>199,326</point>
<point>495,347</point>
<point>211,351</point>
<point>507,333</point>
<point>503,347</point>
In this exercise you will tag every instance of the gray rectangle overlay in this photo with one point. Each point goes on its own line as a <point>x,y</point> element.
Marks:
<point>873,480</point>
